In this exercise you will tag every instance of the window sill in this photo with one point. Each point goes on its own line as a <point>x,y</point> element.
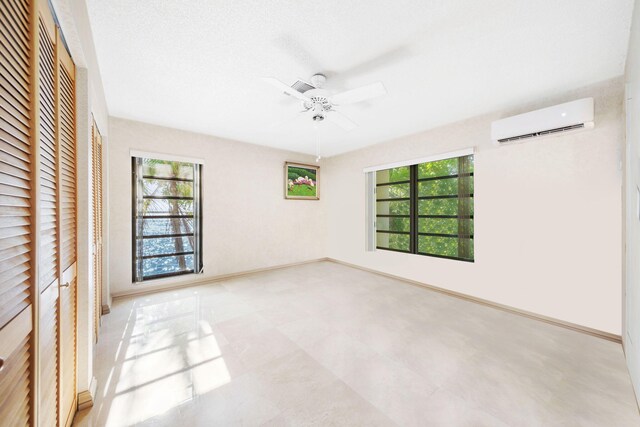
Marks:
<point>178,278</point>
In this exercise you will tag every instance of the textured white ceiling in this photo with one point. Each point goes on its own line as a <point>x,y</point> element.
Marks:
<point>197,64</point>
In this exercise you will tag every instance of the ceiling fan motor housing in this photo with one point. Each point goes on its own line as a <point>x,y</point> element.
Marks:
<point>318,80</point>
<point>318,103</point>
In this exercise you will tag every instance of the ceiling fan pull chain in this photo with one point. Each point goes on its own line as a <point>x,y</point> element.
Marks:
<point>318,157</point>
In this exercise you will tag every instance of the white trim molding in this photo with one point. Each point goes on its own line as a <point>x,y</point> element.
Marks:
<point>165,156</point>
<point>433,158</point>
<point>170,285</point>
<point>535,316</point>
<point>370,214</point>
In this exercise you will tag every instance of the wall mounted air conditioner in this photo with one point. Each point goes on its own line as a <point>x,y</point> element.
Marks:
<point>565,117</point>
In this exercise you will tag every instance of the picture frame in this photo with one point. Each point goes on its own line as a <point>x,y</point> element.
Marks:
<point>301,181</point>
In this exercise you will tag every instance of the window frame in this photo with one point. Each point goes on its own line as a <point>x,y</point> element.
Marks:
<point>414,214</point>
<point>137,255</point>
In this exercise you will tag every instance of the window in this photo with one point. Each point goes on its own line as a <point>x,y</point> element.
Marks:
<point>167,218</point>
<point>427,208</point>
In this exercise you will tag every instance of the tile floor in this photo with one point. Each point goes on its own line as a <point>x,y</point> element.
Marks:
<point>323,344</point>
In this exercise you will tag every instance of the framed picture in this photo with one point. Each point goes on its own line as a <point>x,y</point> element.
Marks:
<point>301,181</point>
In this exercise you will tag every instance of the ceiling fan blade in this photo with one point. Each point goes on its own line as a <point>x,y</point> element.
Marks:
<point>290,118</point>
<point>385,59</point>
<point>363,93</point>
<point>286,89</point>
<point>297,51</point>
<point>307,60</point>
<point>341,120</point>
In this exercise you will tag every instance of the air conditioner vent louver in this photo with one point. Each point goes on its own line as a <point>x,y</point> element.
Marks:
<point>301,86</point>
<point>542,133</point>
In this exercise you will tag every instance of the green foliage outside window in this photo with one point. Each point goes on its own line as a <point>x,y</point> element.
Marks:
<point>434,215</point>
<point>394,174</point>
<point>398,242</point>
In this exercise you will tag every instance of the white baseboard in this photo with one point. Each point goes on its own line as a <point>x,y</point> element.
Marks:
<point>557,322</point>
<point>567,325</point>
<point>203,281</point>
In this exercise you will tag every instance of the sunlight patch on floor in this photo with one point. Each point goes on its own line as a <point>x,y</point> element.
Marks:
<point>167,355</point>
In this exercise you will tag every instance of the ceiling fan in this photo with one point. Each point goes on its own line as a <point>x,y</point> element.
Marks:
<point>322,104</point>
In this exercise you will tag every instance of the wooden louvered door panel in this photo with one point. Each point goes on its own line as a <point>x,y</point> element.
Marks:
<point>67,230</point>
<point>15,381</point>
<point>16,171</point>
<point>48,258</point>
<point>38,249</point>
<point>97,225</point>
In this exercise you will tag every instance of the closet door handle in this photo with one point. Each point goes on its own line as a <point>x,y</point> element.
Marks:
<point>65,285</point>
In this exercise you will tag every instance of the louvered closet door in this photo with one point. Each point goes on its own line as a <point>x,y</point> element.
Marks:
<point>48,250</point>
<point>15,212</point>
<point>97,225</point>
<point>67,230</point>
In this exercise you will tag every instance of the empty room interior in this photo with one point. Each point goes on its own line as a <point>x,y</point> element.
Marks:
<point>319,213</point>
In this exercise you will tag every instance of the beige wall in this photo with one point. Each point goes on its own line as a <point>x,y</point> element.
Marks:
<point>247,222</point>
<point>632,229</point>
<point>547,214</point>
